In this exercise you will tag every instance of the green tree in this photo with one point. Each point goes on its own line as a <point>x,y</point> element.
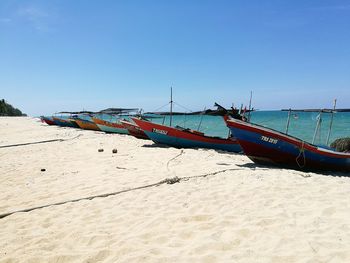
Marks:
<point>8,110</point>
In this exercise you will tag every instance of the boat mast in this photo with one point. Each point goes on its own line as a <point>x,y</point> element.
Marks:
<point>288,120</point>
<point>331,123</point>
<point>171,105</point>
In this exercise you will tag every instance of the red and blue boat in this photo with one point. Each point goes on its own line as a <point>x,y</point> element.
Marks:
<point>109,127</point>
<point>64,122</point>
<point>185,138</point>
<point>266,146</point>
<point>47,120</point>
<point>134,129</point>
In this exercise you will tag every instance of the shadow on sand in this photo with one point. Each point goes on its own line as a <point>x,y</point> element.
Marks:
<point>306,173</point>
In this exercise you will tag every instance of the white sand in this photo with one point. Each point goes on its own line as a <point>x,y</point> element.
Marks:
<point>246,214</point>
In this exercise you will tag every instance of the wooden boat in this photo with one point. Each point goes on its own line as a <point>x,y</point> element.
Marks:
<point>266,146</point>
<point>110,127</point>
<point>64,122</point>
<point>185,138</point>
<point>134,130</point>
<point>86,124</point>
<point>47,120</point>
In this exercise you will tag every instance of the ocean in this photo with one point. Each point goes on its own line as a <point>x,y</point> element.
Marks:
<point>302,124</point>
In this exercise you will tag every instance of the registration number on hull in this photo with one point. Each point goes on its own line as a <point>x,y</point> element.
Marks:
<point>269,140</point>
<point>160,131</point>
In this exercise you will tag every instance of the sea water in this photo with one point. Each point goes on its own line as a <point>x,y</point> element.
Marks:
<point>302,124</point>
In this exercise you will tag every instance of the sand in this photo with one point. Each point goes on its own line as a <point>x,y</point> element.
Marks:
<point>230,210</point>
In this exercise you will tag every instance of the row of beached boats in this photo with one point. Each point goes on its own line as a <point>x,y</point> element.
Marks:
<point>94,121</point>
<point>261,144</point>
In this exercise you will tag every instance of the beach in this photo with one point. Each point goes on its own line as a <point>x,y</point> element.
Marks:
<point>151,203</point>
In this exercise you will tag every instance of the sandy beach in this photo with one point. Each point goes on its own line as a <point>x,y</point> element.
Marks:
<point>224,208</point>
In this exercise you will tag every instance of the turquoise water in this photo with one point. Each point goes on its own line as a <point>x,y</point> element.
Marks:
<point>302,124</point>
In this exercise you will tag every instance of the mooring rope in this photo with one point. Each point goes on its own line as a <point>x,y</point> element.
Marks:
<point>165,181</point>
<point>167,165</point>
<point>46,141</point>
<point>301,153</point>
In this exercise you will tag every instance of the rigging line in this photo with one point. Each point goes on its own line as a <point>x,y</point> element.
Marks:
<point>161,107</point>
<point>182,106</point>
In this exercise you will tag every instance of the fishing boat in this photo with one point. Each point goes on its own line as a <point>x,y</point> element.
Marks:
<point>267,146</point>
<point>184,138</point>
<point>134,129</point>
<point>86,124</point>
<point>47,120</point>
<point>80,119</point>
<point>110,127</point>
<point>64,122</point>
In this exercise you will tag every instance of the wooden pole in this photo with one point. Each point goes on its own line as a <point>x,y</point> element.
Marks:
<point>250,104</point>
<point>200,122</point>
<point>171,105</point>
<point>331,123</point>
<point>288,120</point>
<point>317,127</point>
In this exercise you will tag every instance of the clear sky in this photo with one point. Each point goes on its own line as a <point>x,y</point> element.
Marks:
<point>74,55</point>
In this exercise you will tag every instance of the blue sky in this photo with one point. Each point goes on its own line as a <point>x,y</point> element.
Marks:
<point>74,55</point>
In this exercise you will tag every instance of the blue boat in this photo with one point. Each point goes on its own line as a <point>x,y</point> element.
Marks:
<point>185,138</point>
<point>266,146</point>
<point>64,123</point>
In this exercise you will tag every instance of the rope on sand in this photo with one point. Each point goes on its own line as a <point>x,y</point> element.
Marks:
<point>165,181</point>
<point>46,141</point>
<point>167,164</point>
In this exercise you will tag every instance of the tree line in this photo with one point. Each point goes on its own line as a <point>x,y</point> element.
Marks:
<point>8,110</point>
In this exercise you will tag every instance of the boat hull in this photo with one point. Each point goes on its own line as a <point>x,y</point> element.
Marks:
<point>134,130</point>
<point>64,123</point>
<point>110,127</point>
<point>87,125</point>
<point>184,139</point>
<point>266,146</point>
<point>48,120</point>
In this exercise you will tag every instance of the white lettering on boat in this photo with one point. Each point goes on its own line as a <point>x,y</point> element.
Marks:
<point>160,131</point>
<point>268,139</point>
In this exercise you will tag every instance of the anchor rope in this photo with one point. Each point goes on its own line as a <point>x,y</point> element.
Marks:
<point>165,181</point>
<point>38,142</point>
<point>301,154</point>
<point>167,165</point>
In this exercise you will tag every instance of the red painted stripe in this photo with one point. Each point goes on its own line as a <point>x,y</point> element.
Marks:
<point>134,130</point>
<point>170,131</point>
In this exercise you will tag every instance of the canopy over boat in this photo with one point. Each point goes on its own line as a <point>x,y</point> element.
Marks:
<point>76,112</point>
<point>118,110</point>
